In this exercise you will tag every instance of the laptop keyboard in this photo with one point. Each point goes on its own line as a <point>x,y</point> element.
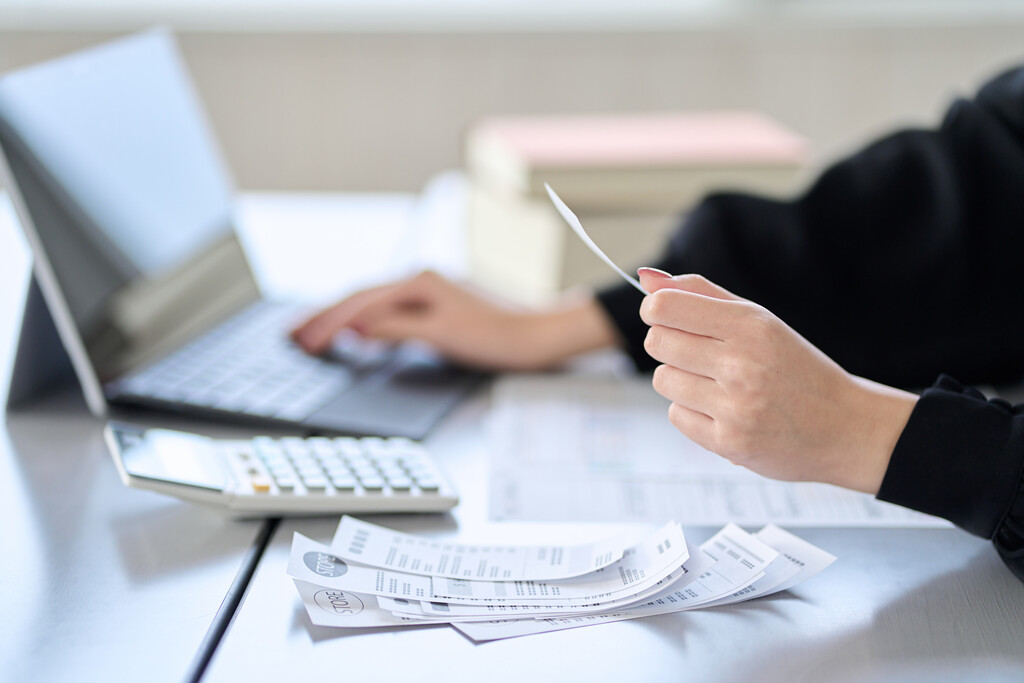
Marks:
<point>245,365</point>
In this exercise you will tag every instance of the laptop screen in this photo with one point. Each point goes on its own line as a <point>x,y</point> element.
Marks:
<point>123,180</point>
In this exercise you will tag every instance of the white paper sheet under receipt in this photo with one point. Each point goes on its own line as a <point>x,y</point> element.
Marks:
<point>577,227</point>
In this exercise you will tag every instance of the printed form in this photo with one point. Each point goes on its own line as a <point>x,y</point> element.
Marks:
<point>600,448</point>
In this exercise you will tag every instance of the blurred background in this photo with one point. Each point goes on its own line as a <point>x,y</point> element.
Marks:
<point>377,95</point>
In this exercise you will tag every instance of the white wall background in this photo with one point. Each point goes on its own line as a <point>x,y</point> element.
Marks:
<point>340,109</point>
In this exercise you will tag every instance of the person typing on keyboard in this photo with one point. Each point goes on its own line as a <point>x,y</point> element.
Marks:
<point>899,263</point>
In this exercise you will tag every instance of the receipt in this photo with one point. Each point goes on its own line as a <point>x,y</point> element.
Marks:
<point>377,546</point>
<point>697,564</point>
<point>577,227</point>
<point>342,609</point>
<point>641,567</point>
<point>660,574</point>
<point>739,560</point>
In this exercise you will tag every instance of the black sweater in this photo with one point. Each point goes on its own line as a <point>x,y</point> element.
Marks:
<point>903,261</point>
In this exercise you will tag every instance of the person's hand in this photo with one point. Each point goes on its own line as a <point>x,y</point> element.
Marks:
<point>465,326</point>
<point>746,386</point>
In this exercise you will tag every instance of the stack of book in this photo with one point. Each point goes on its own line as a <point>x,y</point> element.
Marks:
<point>629,178</point>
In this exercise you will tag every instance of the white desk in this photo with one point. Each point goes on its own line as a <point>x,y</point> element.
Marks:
<point>898,605</point>
<point>102,582</point>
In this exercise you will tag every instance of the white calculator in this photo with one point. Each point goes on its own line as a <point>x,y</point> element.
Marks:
<point>267,476</point>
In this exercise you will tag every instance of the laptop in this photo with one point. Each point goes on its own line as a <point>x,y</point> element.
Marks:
<point>121,192</point>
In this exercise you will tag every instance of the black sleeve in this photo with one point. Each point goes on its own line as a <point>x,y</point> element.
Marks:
<point>961,457</point>
<point>900,262</point>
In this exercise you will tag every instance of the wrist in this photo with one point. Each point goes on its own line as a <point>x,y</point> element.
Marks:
<point>576,325</point>
<point>877,417</point>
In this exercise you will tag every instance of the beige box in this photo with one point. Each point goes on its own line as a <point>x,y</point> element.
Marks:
<point>628,178</point>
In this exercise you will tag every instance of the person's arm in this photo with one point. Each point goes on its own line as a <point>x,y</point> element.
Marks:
<point>961,457</point>
<point>899,262</point>
<point>465,325</point>
<point>745,385</point>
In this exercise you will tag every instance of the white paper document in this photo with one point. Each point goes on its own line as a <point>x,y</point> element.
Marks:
<point>571,448</point>
<point>378,546</point>
<point>658,575</point>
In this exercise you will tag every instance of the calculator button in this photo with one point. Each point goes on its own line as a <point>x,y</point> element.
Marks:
<point>268,452</point>
<point>328,458</point>
<point>428,485</point>
<point>286,485</point>
<point>347,445</point>
<point>315,483</point>
<point>373,485</point>
<point>400,483</point>
<point>320,444</point>
<point>260,484</point>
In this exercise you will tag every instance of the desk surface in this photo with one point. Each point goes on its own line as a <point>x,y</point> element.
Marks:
<point>898,605</point>
<point>109,583</point>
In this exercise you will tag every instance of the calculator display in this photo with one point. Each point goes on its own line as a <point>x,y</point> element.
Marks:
<point>172,457</point>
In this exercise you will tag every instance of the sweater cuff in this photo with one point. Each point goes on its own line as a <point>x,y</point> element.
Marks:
<point>622,304</point>
<point>959,457</point>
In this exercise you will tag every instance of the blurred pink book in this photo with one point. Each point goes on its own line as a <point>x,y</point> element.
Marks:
<point>630,140</point>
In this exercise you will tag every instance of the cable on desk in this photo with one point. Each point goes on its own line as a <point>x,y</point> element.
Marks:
<point>231,601</point>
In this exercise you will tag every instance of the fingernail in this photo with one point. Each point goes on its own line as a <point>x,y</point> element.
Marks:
<point>653,271</point>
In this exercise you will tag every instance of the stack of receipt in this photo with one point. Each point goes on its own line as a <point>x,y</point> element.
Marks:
<point>371,576</point>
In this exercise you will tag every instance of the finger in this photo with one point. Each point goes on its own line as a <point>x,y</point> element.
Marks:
<point>694,313</point>
<point>315,334</point>
<point>695,425</point>
<point>409,302</point>
<point>401,326</point>
<point>692,352</point>
<point>653,280</point>
<point>361,308</point>
<point>695,392</point>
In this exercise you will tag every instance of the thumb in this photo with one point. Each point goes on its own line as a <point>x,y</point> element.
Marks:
<point>654,279</point>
